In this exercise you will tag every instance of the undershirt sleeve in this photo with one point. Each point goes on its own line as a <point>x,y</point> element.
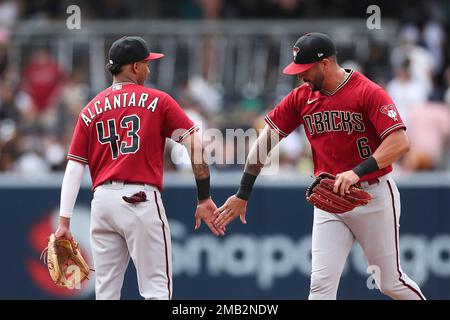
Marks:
<point>70,187</point>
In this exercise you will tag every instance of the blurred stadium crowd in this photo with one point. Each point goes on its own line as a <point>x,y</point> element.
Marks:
<point>40,99</point>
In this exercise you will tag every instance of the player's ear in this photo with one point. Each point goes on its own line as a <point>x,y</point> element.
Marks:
<point>325,63</point>
<point>135,67</point>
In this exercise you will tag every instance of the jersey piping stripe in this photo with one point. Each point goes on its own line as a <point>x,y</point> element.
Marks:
<point>165,245</point>
<point>188,132</point>
<point>400,274</point>
<point>274,126</point>
<point>74,157</point>
<point>395,126</point>
<point>339,86</point>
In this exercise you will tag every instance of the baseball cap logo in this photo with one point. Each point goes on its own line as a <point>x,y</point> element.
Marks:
<point>320,54</point>
<point>295,51</point>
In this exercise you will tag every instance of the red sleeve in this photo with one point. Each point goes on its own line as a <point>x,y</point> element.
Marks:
<point>176,124</point>
<point>79,147</point>
<point>284,118</point>
<point>383,113</point>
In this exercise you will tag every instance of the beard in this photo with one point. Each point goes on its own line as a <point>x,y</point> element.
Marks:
<point>317,83</point>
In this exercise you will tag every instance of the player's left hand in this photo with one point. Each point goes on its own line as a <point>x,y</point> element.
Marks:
<point>206,212</point>
<point>344,181</point>
<point>232,208</point>
<point>63,230</point>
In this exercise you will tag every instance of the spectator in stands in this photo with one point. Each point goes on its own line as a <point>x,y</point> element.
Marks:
<point>405,91</point>
<point>422,66</point>
<point>428,131</point>
<point>43,80</point>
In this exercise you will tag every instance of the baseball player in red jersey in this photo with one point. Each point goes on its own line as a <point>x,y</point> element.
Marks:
<point>356,134</point>
<point>120,135</point>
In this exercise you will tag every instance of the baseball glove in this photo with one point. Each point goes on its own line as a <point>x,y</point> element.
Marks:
<point>320,193</point>
<point>65,263</point>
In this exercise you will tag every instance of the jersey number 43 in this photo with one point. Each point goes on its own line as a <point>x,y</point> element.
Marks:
<point>131,124</point>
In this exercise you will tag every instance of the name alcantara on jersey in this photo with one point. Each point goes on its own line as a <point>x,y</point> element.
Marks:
<point>118,101</point>
<point>328,121</point>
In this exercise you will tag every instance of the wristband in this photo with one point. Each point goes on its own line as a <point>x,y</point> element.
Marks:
<point>367,166</point>
<point>246,186</point>
<point>203,187</point>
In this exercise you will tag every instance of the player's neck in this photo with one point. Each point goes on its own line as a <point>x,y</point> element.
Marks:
<point>335,79</point>
<point>123,79</point>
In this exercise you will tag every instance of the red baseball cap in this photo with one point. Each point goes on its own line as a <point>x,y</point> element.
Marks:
<point>309,50</point>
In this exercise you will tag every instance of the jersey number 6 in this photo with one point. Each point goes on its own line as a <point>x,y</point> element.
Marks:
<point>132,123</point>
<point>363,148</point>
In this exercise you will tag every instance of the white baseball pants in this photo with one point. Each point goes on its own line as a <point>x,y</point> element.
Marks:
<point>376,228</point>
<point>120,230</point>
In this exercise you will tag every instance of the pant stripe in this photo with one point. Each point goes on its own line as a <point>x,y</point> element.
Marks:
<point>396,247</point>
<point>165,245</point>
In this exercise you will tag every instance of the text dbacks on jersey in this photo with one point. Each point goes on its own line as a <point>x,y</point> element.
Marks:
<point>334,120</point>
<point>123,100</point>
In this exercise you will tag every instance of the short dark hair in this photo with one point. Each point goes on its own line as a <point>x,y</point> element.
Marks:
<point>114,69</point>
<point>333,57</point>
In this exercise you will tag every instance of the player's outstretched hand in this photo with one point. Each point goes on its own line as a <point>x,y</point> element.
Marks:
<point>344,181</point>
<point>206,212</point>
<point>232,208</point>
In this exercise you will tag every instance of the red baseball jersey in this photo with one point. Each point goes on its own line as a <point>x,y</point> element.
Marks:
<point>344,127</point>
<point>121,134</point>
